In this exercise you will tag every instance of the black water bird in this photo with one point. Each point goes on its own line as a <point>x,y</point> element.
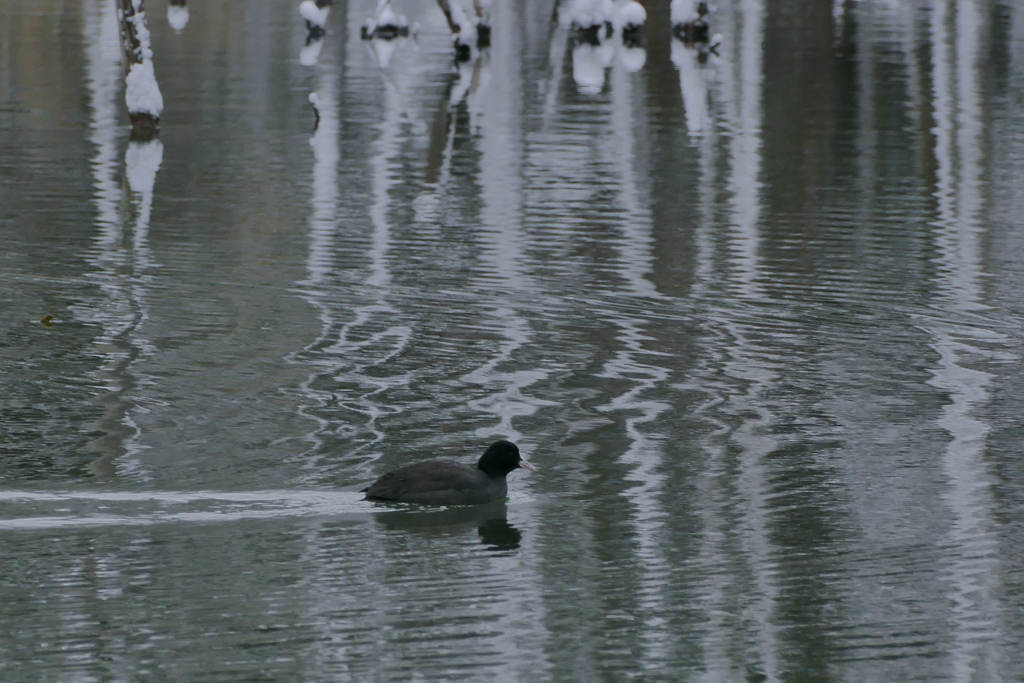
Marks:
<point>443,482</point>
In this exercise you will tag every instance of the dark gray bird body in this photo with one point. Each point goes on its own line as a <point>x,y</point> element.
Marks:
<point>443,482</point>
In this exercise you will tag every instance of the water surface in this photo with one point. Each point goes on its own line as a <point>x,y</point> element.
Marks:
<point>756,316</point>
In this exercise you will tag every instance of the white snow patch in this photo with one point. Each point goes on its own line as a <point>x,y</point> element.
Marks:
<point>142,94</point>
<point>389,19</point>
<point>138,19</point>
<point>177,17</point>
<point>467,29</point>
<point>591,13</point>
<point>683,12</point>
<point>630,15</point>
<point>316,16</point>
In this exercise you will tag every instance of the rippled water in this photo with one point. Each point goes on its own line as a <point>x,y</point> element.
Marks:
<point>756,316</point>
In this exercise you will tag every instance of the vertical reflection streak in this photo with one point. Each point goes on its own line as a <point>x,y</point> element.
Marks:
<point>636,260</point>
<point>745,187</point>
<point>497,100</point>
<point>972,564</point>
<point>333,358</point>
<point>904,15</point>
<point>753,485</point>
<point>713,500</point>
<point>103,72</point>
<point>693,86</point>
<point>556,67</point>
<point>742,99</point>
<point>704,239</point>
<point>867,135</point>
<point>388,150</point>
<point>350,354</point>
<point>632,363</point>
<point>738,377</point>
<point>395,337</point>
<point>968,151</point>
<point>142,162</point>
<point>120,260</point>
<point>320,262</point>
<point>120,257</point>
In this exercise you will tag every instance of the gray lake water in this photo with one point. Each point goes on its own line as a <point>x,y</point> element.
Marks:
<point>757,316</point>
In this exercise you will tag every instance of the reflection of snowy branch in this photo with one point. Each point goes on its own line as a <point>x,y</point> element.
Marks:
<point>383,50</point>
<point>494,116</point>
<point>470,26</point>
<point>634,366</point>
<point>735,377</point>
<point>322,235</point>
<point>351,357</point>
<point>119,261</point>
<point>385,25</point>
<point>315,13</point>
<point>600,30</point>
<point>971,568</point>
<point>468,85</point>
<point>693,84</point>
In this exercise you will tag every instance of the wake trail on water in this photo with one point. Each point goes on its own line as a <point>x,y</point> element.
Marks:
<point>42,510</point>
<point>62,509</point>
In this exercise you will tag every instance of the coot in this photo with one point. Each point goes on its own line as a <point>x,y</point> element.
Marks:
<point>443,482</point>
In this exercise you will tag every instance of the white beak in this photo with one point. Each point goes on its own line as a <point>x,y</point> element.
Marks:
<point>527,465</point>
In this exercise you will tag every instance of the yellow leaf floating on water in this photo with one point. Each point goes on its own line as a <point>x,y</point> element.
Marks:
<point>47,320</point>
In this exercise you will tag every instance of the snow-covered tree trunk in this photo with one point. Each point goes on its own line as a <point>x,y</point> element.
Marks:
<point>142,94</point>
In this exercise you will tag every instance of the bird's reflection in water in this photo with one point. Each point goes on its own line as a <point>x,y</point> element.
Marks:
<point>491,522</point>
<point>498,534</point>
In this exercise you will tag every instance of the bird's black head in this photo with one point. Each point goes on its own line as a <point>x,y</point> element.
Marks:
<point>501,457</point>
